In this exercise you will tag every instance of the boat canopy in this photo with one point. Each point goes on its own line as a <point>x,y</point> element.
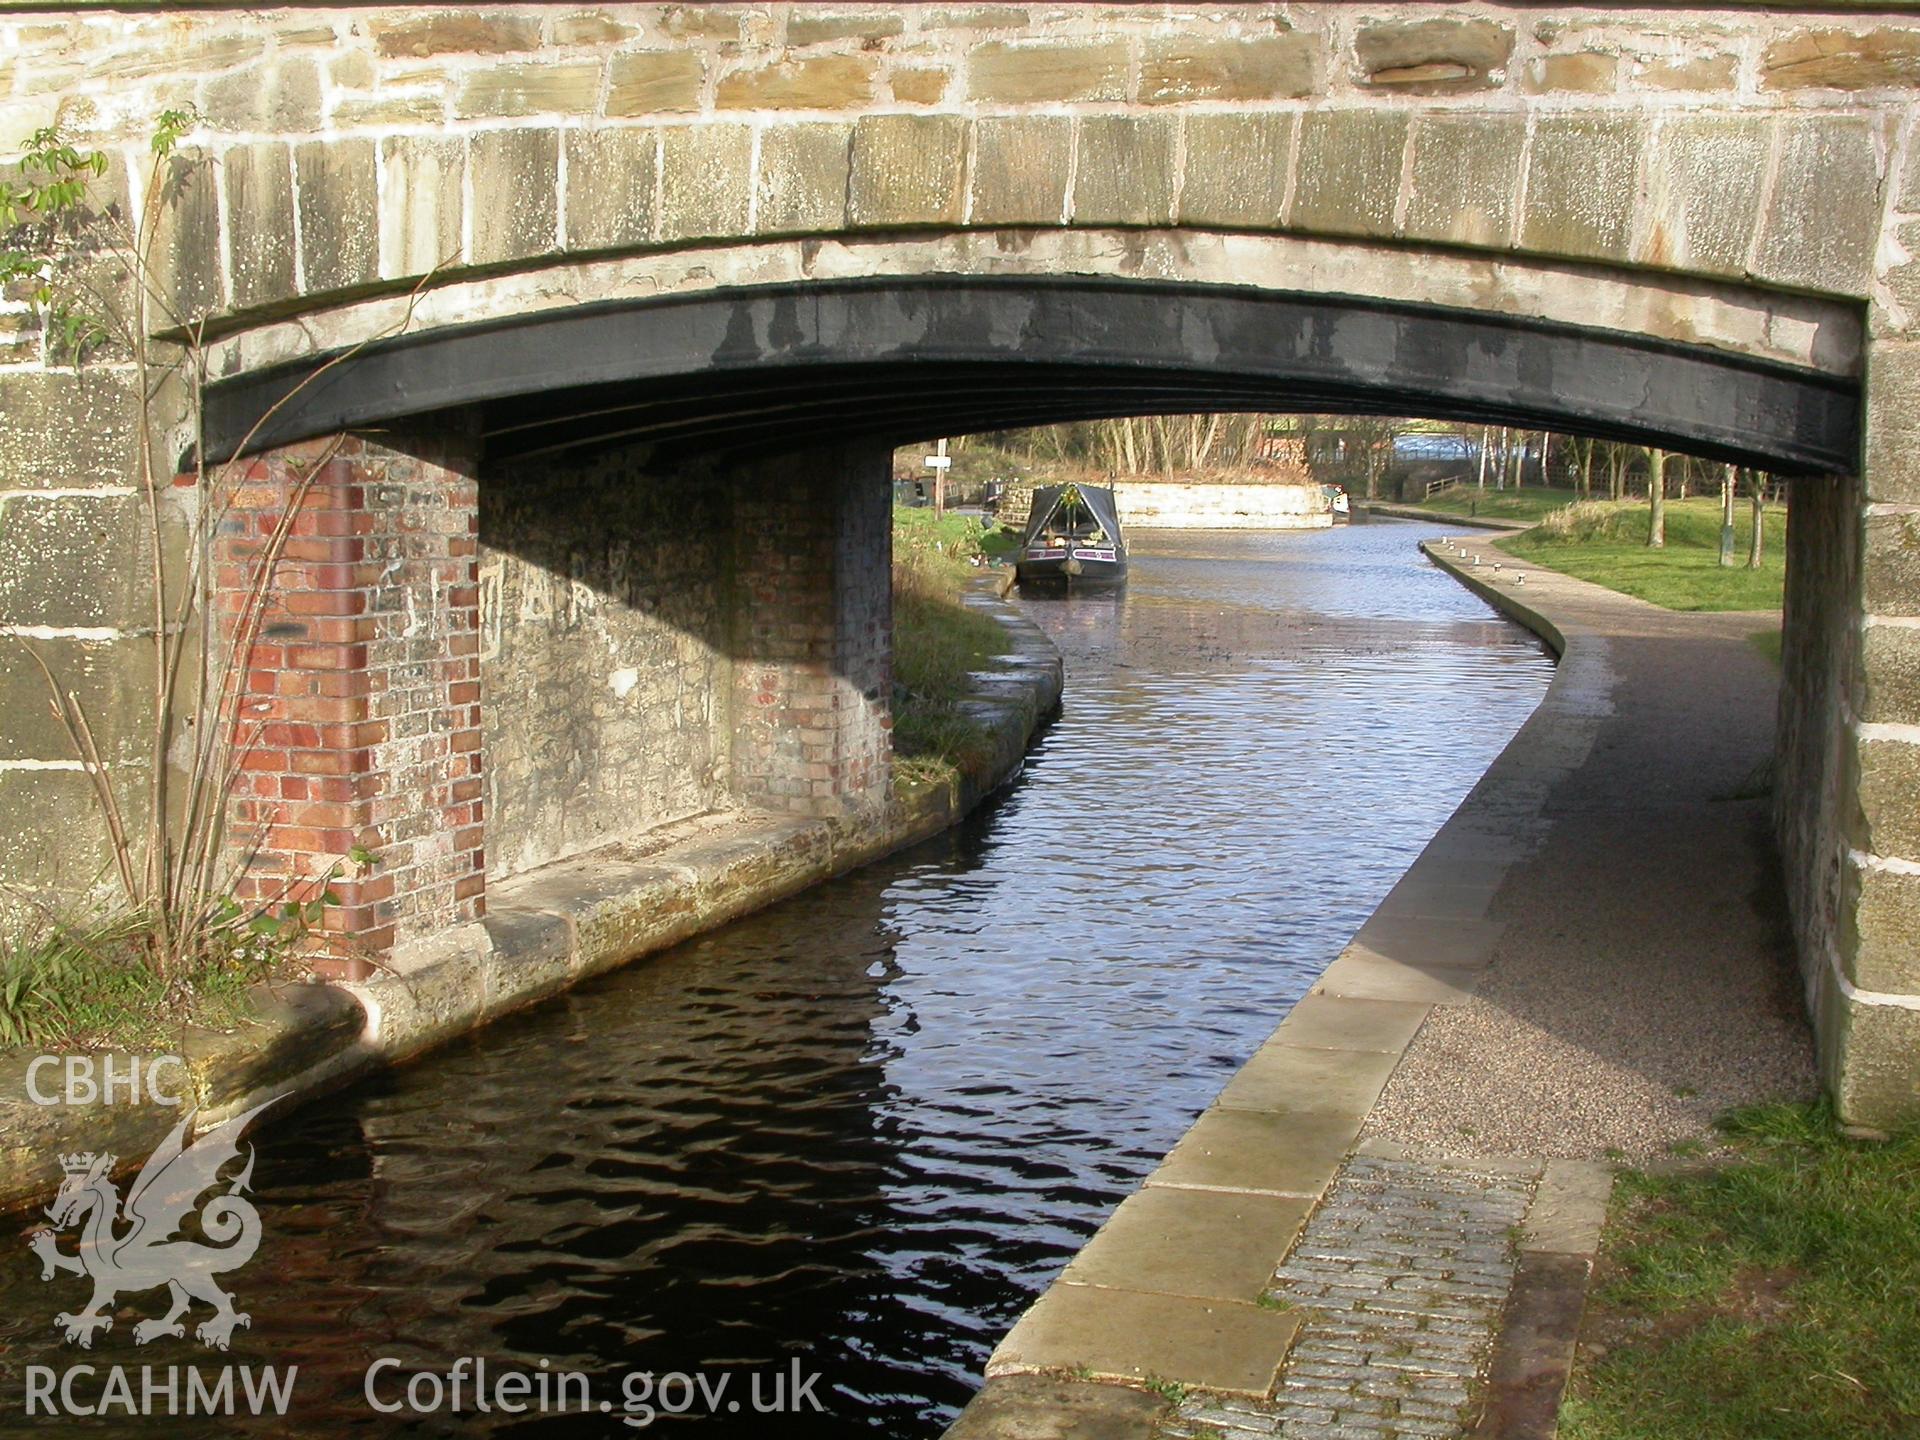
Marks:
<point>1096,500</point>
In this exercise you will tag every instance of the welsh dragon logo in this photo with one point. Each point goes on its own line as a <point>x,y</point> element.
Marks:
<point>138,1246</point>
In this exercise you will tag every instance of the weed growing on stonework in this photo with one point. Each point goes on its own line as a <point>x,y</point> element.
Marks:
<point>937,643</point>
<point>86,261</point>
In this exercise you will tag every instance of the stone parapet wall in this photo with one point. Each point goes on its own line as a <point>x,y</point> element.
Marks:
<point>348,148</point>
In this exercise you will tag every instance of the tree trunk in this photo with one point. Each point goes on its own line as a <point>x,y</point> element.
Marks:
<point>1486,439</point>
<point>1656,499</point>
<point>1726,517</point>
<point>1586,471</point>
<point>1757,542</point>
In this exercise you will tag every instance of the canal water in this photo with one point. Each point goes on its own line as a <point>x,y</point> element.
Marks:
<point>853,1136</point>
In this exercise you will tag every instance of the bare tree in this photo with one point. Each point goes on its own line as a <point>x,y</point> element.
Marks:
<point>1656,499</point>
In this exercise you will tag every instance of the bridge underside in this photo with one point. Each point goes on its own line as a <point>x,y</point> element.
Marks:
<point>747,371</point>
<point>678,518</point>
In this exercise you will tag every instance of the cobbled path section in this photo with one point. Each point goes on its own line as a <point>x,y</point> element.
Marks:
<point>1401,1274</point>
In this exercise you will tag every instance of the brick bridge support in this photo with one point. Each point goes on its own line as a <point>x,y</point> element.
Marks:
<point>360,708</point>
<point>813,643</point>
<point>362,702</point>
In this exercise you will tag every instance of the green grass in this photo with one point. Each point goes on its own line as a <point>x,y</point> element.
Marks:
<point>1606,543</point>
<point>917,531</point>
<point>1530,502</point>
<point>1000,544</point>
<point>937,641</point>
<point>1776,1297</point>
<point>88,990</point>
<point>1767,642</point>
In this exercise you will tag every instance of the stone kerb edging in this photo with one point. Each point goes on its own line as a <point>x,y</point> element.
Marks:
<point>545,931</point>
<point>1414,512</point>
<point>1167,1293</point>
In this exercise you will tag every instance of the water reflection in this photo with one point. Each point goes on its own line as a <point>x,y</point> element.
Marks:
<point>863,1128</point>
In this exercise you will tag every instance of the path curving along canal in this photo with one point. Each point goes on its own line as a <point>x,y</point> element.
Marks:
<point>851,1137</point>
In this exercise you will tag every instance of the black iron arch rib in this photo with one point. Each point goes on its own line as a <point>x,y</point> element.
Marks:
<point>912,359</point>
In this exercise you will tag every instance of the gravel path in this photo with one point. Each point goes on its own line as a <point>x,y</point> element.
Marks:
<point>1645,981</point>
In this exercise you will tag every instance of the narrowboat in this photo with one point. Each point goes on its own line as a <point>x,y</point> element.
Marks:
<point>1073,538</point>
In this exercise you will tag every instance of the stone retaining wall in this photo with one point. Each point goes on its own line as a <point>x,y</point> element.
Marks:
<point>1154,505</point>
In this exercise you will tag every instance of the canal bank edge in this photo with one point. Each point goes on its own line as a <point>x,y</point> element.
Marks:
<point>1167,1295</point>
<point>544,932</point>
<point>1388,511</point>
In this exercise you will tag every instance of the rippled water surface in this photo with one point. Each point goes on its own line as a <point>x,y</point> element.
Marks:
<point>864,1128</point>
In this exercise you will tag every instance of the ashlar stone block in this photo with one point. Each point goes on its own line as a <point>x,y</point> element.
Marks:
<point>1125,171</point>
<point>706,180</point>
<point>1582,183</point>
<point>339,201</point>
<point>1267,67</point>
<point>1880,934</point>
<point>1830,59</point>
<point>1348,172</point>
<point>1893,422</point>
<point>1027,73</point>
<point>1824,219</point>
<point>516,194</point>
<point>655,82</point>
<point>804,169</point>
<point>818,82</point>
<point>1705,175</point>
<point>259,223</point>
<point>1236,169</point>
<point>1466,171</point>
<point>421,203</point>
<point>610,183</point>
<point>1434,56</point>
<point>907,170</point>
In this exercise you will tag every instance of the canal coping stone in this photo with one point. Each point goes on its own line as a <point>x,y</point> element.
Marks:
<point>1213,1344</point>
<point>1200,1244</point>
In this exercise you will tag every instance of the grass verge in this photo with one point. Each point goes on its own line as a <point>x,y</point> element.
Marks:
<point>1776,1297</point>
<point>1530,503</point>
<point>936,642</point>
<point>1606,543</point>
<point>89,990</point>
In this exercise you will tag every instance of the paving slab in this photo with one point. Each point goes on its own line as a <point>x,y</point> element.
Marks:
<point>1431,940</point>
<point>1334,1022</point>
<point>1266,1152</point>
<point>1363,974</point>
<point>1205,1244</point>
<point>1281,1076</point>
<point>1046,1407</point>
<point>1569,1209</point>
<point>1096,1332</point>
<point>1439,899</point>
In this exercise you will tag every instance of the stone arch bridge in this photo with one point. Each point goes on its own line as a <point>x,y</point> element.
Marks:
<point>606,542</point>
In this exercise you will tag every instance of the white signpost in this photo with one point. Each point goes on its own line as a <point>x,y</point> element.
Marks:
<point>940,463</point>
